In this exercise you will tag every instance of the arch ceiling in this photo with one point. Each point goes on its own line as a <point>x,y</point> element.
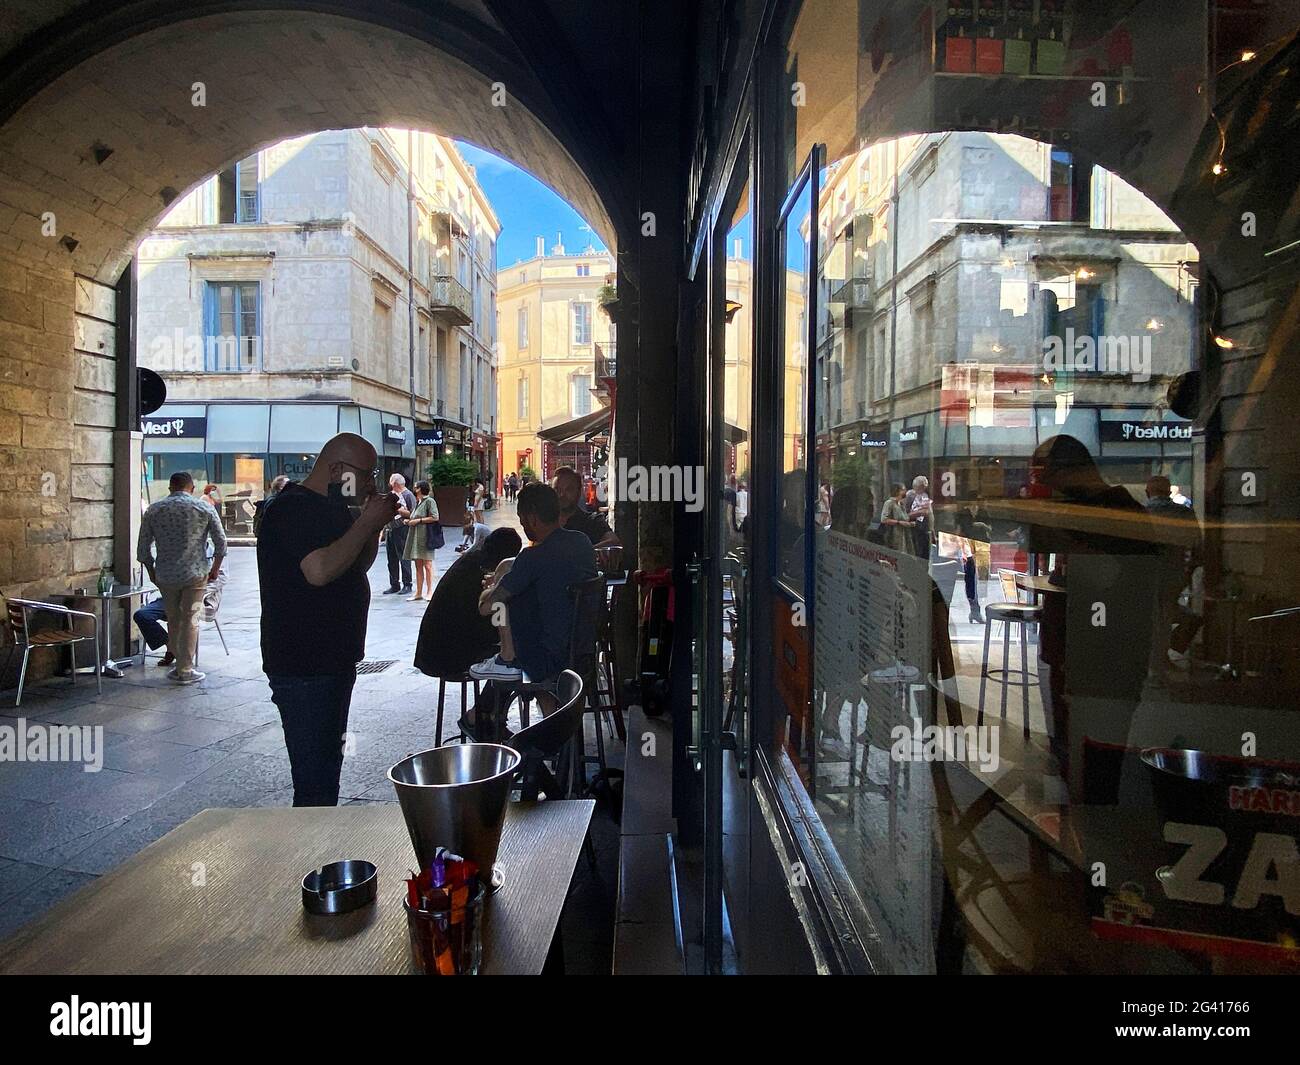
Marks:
<point>107,144</point>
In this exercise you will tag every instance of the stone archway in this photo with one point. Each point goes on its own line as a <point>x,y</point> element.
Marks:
<point>94,157</point>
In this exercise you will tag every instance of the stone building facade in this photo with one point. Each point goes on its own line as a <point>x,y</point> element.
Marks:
<point>338,281</point>
<point>558,355</point>
<point>948,263</point>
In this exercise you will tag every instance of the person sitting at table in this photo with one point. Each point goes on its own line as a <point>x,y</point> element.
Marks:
<point>567,483</point>
<point>453,634</point>
<point>535,588</point>
<point>151,615</point>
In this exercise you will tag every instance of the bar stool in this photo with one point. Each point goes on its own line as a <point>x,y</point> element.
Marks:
<point>464,680</point>
<point>1009,613</point>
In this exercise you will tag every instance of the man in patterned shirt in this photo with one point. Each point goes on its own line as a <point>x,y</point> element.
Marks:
<point>173,549</point>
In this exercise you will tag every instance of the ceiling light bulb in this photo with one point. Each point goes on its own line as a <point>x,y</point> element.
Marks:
<point>1247,56</point>
<point>1224,343</point>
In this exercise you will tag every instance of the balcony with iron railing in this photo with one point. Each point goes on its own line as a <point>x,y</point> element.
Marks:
<point>606,361</point>
<point>449,298</point>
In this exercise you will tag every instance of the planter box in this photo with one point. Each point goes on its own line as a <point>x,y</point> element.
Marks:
<point>450,500</point>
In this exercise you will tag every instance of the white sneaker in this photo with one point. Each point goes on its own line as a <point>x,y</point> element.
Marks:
<point>493,668</point>
<point>192,677</point>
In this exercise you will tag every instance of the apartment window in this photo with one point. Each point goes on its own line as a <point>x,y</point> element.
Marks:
<point>1069,188</point>
<point>422,360</point>
<point>440,371</point>
<point>1074,302</point>
<point>523,327</point>
<point>581,400</point>
<point>584,269</point>
<point>582,323</point>
<point>232,327</point>
<point>860,371</point>
<point>464,379</point>
<point>238,198</point>
<point>383,333</point>
<point>521,411</point>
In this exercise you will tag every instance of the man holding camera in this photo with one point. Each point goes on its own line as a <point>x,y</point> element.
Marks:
<point>317,542</point>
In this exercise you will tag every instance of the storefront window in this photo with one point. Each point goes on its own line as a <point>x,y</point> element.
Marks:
<point>242,481</point>
<point>1048,726</point>
<point>159,468</point>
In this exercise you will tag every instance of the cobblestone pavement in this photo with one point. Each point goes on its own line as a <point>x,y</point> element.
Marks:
<point>169,752</point>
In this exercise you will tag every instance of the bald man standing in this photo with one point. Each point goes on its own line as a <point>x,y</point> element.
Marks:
<point>312,561</point>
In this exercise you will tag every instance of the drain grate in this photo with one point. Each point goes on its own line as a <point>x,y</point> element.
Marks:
<point>374,665</point>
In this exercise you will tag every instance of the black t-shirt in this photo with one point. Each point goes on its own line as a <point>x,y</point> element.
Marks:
<point>307,631</point>
<point>453,635</point>
<point>592,526</point>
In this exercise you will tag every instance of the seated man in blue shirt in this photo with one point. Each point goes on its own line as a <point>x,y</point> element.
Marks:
<point>535,627</point>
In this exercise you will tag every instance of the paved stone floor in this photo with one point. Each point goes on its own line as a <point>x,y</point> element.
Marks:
<point>172,751</point>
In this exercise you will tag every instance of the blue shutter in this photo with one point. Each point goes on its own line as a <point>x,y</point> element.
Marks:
<point>209,325</point>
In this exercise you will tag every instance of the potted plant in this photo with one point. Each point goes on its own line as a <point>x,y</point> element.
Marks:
<point>527,474</point>
<point>450,479</point>
<point>607,297</point>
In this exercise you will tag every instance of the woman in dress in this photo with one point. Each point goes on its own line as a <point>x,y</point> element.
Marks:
<point>417,549</point>
<point>895,522</point>
<point>480,494</point>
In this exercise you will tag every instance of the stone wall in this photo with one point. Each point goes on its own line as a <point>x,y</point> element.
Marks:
<point>57,383</point>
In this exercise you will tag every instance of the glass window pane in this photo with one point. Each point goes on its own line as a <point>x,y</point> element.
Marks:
<point>238,426</point>
<point>1012,328</point>
<point>795,285</point>
<point>302,426</point>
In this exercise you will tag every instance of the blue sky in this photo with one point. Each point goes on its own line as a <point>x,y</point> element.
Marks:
<point>526,208</point>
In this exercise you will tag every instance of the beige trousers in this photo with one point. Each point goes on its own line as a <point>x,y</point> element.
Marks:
<point>184,606</point>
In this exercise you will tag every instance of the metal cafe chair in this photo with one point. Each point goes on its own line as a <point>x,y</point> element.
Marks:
<point>20,612</point>
<point>589,603</point>
<point>551,739</point>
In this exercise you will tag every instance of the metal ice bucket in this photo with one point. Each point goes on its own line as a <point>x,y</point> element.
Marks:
<point>455,797</point>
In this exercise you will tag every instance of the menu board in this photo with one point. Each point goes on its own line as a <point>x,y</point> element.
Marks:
<point>872,650</point>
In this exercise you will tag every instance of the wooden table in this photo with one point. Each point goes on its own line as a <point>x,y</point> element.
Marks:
<point>150,916</point>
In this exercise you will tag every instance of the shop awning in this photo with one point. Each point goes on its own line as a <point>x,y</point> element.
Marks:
<point>583,427</point>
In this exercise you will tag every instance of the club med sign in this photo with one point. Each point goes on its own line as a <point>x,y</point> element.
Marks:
<point>175,428</point>
<point>1129,432</point>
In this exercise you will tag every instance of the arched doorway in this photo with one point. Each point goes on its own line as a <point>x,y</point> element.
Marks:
<point>105,131</point>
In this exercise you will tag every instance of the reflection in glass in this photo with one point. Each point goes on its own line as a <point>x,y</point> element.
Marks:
<point>1037,656</point>
<point>735,530</point>
<point>796,283</point>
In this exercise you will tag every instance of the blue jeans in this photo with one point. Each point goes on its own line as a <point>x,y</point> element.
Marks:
<point>147,619</point>
<point>314,715</point>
